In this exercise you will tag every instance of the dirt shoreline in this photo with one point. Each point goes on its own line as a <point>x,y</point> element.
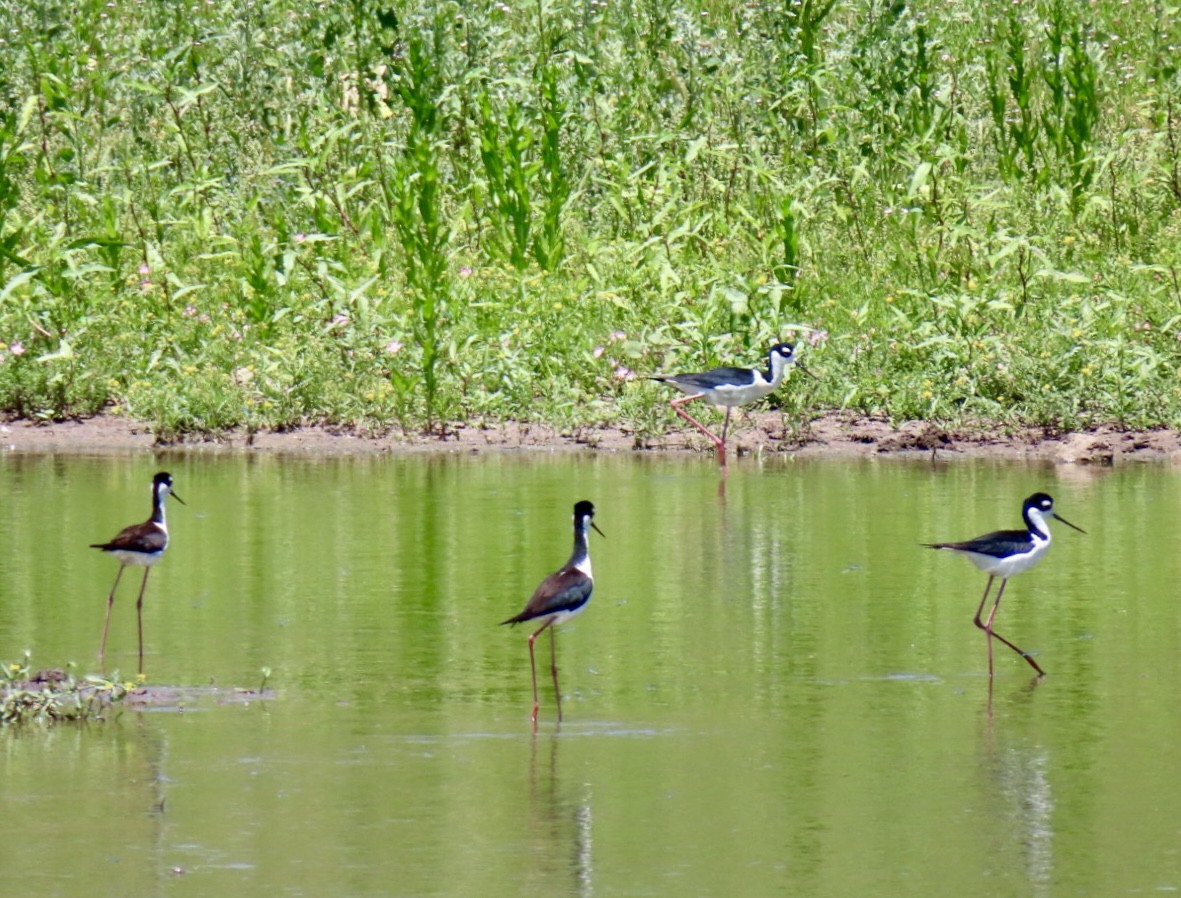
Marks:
<point>834,435</point>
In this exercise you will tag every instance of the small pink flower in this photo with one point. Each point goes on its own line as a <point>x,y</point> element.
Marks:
<point>465,272</point>
<point>340,320</point>
<point>190,312</point>
<point>17,348</point>
<point>618,335</point>
<point>300,238</point>
<point>144,270</point>
<point>817,337</point>
<point>393,347</point>
<point>598,353</point>
<point>622,373</point>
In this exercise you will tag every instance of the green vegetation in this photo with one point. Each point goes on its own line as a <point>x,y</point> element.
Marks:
<point>54,696</point>
<point>216,214</point>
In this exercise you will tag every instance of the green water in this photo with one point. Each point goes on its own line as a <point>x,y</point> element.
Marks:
<point>774,692</point>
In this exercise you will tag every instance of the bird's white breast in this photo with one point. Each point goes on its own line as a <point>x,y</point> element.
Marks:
<point>1011,565</point>
<point>736,396</point>
<point>142,559</point>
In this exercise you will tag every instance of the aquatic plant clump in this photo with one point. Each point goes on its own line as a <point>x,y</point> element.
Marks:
<point>55,695</point>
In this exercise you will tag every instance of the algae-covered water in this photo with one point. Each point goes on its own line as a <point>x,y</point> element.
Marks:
<point>774,691</point>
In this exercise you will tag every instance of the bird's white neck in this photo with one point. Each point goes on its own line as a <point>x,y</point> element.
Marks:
<point>1039,528</point>
<point>580,557</point>
<point>777,368</point>
<point>158,497</point>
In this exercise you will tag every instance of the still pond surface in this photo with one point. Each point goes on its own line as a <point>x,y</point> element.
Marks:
<point>775,692</point>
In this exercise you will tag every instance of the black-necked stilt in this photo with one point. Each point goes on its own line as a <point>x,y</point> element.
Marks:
<point>1006,553</point>
<point>141,545</point>
<point>731,388</point>
<point>560,596</point>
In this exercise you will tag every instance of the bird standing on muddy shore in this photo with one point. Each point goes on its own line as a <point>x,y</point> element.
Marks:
<point>730,388</point>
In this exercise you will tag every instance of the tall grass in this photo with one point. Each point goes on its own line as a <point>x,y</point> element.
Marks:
<point>387,213</point>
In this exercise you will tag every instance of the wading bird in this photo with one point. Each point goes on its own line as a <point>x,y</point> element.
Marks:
<point>141,545</point>
<point>730,388</point>
<point>560,596</point>
<point>1006,553</point>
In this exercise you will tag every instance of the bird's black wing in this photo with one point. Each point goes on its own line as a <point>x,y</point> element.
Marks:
<point>136,538</point>
<point>567,590</point>
<point>998,544</point>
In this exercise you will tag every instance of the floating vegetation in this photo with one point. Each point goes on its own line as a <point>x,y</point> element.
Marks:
<point>56,695</point>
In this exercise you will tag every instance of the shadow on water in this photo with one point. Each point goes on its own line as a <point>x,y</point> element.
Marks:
<point>1017,812</point>
<point>561,850</point>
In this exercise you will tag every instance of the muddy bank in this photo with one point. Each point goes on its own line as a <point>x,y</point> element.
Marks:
<point>833,435</point>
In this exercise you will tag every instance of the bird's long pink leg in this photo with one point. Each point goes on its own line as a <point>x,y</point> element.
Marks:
<point>983,626</point>
<point>722,443</point>
<point>986,626</point>
<point>675,404</point>
<point>533,670</point>
<point>139,613</point>
<point>553,666</point>
<point>102,649</point>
